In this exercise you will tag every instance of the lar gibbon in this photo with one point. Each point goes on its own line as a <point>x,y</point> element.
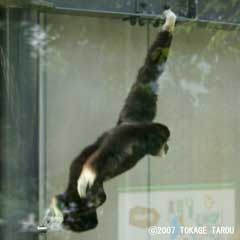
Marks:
<point>120,148</point>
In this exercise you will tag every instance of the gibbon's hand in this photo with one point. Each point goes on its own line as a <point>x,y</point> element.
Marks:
<point>170,20</point>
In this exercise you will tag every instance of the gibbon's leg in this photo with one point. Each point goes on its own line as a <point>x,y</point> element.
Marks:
<point>76,169</point>
<point>140,105</point>
<point>69,201</point>
<point>78,164</point>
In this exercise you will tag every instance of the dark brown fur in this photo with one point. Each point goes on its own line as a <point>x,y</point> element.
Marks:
<point>141,103</point>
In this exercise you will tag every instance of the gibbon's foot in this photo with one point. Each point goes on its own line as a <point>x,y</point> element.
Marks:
<point>81,223</point>
<point>170,20</point>
<point>57,211</point>
<point>74,215</point>
<point>53,217</point>
<point>85,180</point>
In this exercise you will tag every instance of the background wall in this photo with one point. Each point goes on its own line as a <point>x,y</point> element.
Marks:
<point>91,64</point>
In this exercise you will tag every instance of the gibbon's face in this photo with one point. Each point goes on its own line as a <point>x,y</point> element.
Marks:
<point>163,150</point>
<point>157,139</point>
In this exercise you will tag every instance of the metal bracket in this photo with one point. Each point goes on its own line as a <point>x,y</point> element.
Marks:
<point>141,8</point>
<point>192,9</point>
<point>43,3</point>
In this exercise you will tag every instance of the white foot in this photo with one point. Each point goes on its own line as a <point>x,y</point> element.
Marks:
<point>57,212</point>
<point>170,20</point>
<point>53,217</point>
<point>85,180</point>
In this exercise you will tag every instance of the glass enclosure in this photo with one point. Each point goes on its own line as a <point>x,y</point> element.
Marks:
<point>65,79</point>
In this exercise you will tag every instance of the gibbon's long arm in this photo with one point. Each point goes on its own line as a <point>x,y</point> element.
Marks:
<point>141,103</point>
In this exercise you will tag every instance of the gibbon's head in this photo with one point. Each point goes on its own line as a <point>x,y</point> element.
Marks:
<point>157,141</point>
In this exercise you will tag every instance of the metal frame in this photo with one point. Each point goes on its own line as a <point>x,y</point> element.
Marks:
<point>193,13</point>
<point>193,10</point>
<point>191,16</point>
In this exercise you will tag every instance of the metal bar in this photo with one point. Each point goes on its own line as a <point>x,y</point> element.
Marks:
<point>199,20</point>
<point>42,129</point>
<point>113,14</point>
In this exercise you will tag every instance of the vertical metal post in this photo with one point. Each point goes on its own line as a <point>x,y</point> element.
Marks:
<point>42,129</point>
<point>148,157</point>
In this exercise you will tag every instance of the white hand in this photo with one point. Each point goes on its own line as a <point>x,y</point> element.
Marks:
<point>170,20</point>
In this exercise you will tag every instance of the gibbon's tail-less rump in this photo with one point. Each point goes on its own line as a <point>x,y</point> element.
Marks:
<point>120,148</point>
